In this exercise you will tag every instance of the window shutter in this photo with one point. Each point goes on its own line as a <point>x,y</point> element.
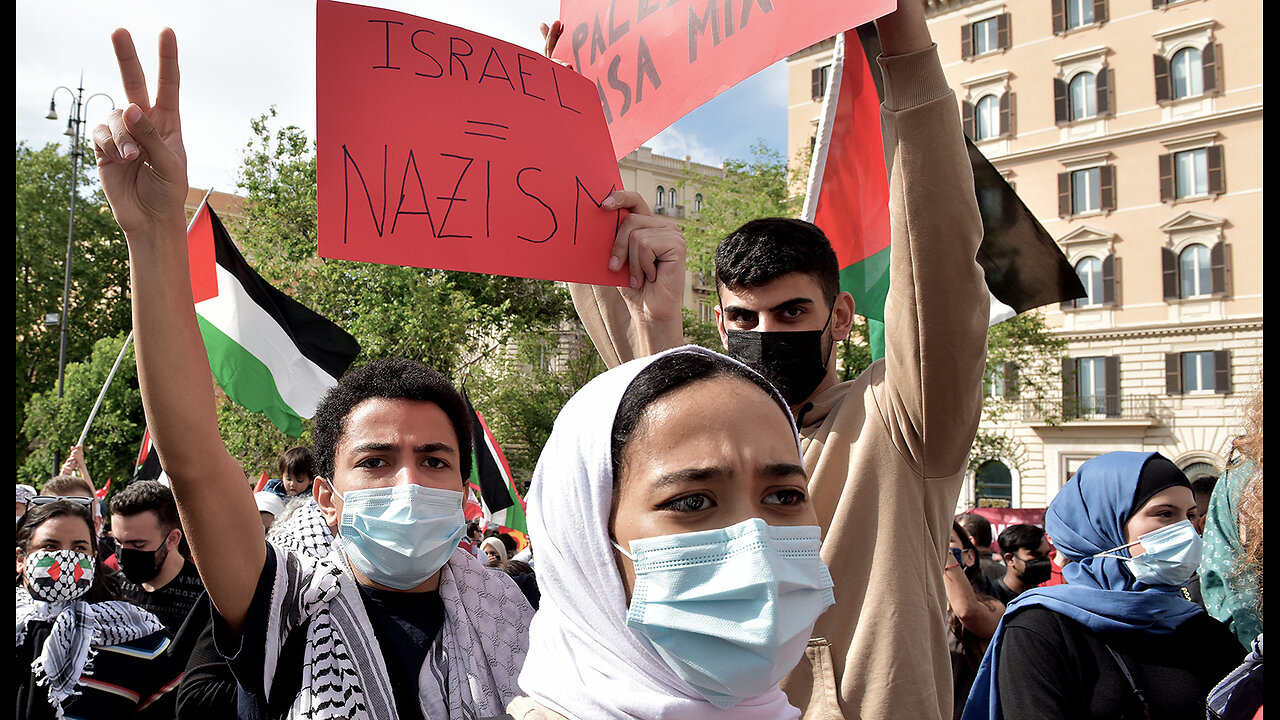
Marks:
<point>1221,372</point>
<point>1059,101</point>
<point>1103,87</point>
<point>1070,393</point>
<point>1169,266</point>
<point>966,41</point>
<point>1109,280</point>
<point>1107,183</point>
<point>1173,373</point>
<point>1209,63</point>
<point>1166,177</point>
<point>1217,176</point>
<point>1100,11</point>
<point>1010,381</point>
<point>966,116</point>
<point>1002,32</point>
<point>1164,83</point>
<point>1059,17</point>
<point>1112,365</point>
<point>816,80</point>
<point>1006,114</point>
<point>1064,194</point>
<point>1218,268</point>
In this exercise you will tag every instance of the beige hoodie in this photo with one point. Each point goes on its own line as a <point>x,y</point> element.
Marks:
<point>886,452</point>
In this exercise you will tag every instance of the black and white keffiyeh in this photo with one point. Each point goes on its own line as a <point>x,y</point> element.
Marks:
<point>79,628</point>
<point>471,669</point>
<point>302,529</point>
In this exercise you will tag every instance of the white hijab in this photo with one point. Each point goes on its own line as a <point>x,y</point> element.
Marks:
<point>583,660</point>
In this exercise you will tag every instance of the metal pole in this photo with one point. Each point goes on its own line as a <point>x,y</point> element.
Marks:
<point>71,222</point>
<point>110,376</point>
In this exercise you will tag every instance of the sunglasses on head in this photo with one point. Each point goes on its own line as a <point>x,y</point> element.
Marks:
<point>46,499</point>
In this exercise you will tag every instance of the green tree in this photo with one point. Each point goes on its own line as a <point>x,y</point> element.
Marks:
<point>111,447</point>
<point>98,306</point>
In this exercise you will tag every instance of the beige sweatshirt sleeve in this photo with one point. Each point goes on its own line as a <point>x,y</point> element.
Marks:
<point>936,311</point>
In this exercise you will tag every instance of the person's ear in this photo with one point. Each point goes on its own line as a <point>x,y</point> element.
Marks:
<point>326,500</point>
<point>173,539</point>
<point>724,336</point>
<point>842,316</point>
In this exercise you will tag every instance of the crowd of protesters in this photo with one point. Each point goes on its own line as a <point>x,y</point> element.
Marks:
<point>706,531</point>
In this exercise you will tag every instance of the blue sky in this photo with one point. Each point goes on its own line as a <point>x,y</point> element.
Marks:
<point>238,58</point>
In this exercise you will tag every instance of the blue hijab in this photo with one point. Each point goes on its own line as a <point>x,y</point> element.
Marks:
<point>1087,517</point>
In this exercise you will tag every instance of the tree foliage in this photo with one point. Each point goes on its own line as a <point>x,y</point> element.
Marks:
<point>98,305</point>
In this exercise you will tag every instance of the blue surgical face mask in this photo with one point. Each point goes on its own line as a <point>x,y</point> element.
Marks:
<point>1171,558</point>
<point>729,610</point>
<point>400,536</point>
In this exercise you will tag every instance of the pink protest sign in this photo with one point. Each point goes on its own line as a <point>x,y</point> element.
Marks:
<point>653,61</point>
<point>439,147</point>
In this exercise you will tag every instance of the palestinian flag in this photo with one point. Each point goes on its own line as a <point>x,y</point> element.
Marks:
<point>148,465</point>
<point>848,197</point>
<point>491,477</point>
<point>269,353</point>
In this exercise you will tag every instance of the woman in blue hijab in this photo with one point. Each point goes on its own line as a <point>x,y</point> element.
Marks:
<point>1119,639</point>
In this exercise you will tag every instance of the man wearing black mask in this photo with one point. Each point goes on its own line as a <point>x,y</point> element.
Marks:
<point>1026,558</point>
<point>144,521</point>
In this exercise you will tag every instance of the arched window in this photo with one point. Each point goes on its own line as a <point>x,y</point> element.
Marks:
<point>993,485</point>
<point>662,197</point>
<point>697,202</point>
<point>1089,270</point>
<point>671,197</point>
<point>1188,73</point>
<point>1082,96</point>
<point>987,118</point>
<point>1195,271</point>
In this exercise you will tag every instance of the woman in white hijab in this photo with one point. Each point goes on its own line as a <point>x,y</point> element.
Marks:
<point>677,549</point>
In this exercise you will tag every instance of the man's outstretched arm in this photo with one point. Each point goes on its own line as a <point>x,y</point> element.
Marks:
<point>142,165</point>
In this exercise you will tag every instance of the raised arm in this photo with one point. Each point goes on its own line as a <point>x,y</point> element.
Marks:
<point>937,306</point>
<point>143,167</point>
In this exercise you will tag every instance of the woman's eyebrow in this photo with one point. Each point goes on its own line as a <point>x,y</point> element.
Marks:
<point>691,475</point>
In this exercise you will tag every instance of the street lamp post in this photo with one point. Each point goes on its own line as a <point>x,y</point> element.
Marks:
<point>75,130</point>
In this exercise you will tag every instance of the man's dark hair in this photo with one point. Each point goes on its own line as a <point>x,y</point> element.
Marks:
<point>977,527</point>
<point>512,546</point>
<point>144,495</point>
<point>390,378</point>
<point>1202,488</point>
<point>766,249</point>
<point>297,461</point>
<point>1017,537</point>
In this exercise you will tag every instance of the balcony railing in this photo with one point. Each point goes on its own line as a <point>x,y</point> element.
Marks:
<point>1090,407</point>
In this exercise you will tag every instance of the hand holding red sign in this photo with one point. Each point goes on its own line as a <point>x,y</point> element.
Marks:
<point>440,147</point>
<point>653,61</point>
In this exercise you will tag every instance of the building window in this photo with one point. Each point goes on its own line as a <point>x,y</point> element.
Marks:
<point>1082,96</point>
<point>1091,386</point>
<point>1198,371</point>
<point>1002,381</point>
<point>697,202</point>
<point>1188,74</point>
<point>1194,272</point>
<point>1079,13</point>
<point>819,78</point>
<point>987,118</point>
<point>1087,190</point>
<point>671,198</point>
<point>1089,270</point>
<point>662,198</point>
<point>1191,173</point>
<point>993,485</point>
<point>984,36</point>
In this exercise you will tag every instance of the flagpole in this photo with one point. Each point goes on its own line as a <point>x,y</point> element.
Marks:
<point>196,214</point>
<point>103,393</point>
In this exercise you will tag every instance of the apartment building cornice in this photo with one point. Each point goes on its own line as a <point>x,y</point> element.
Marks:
<point>1236,324</point>
<point>1213,120</point>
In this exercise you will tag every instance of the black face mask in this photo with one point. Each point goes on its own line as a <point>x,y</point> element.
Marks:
<point>794,361</point>
<point>140,565</point>
<point>1036,571</point>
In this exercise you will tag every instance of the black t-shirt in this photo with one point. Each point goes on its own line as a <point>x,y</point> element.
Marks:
<point>171,603</point>
<point>405,625</point>
<point>1002,592</point>
<point>1052,667</point>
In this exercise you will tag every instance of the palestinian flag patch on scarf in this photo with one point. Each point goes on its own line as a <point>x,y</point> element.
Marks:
<point>269,353</point>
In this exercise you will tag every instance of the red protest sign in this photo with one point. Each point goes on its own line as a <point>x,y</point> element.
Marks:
<point>653,61</point>
<point>440,147</point>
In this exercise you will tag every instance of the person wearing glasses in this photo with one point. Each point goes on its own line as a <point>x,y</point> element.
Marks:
<point>87,653</point>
